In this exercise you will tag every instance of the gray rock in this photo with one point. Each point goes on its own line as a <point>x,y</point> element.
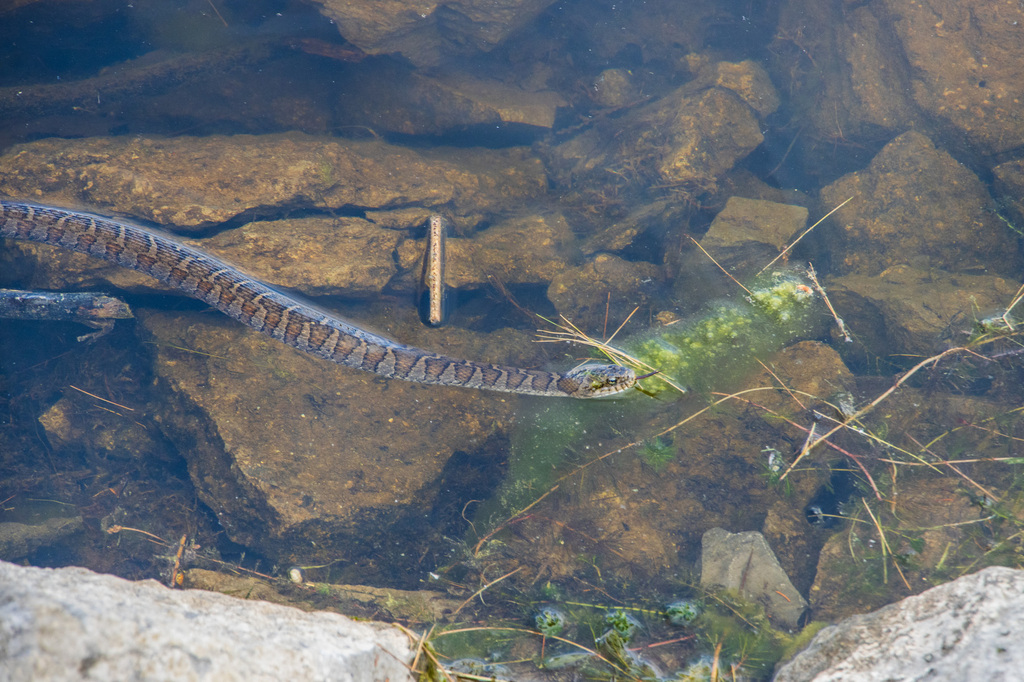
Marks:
<point>72,624</point>
<point>744,562</point>
<point>969,629</point>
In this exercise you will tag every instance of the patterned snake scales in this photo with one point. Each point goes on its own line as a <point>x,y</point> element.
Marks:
<point>284,318</point>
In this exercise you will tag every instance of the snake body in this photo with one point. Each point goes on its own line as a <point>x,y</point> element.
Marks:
<point>284,318</point>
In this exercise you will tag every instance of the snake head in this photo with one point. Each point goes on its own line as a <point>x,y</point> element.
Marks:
<point>598,381</point>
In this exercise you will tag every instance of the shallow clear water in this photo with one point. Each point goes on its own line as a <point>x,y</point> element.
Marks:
<point>581,158</point>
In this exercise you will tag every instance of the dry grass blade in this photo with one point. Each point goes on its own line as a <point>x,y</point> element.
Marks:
<point>726,272</point>
<point>886,549</point>
<point>813,276</point>
<point>804,234</point>
<point>1005,317</point>
<point>567,332</point>
<point>854,418</point>
<point>483,589</point>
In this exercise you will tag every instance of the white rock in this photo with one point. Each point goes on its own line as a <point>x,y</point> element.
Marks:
<point>73,624</point>
<point>969,629</point>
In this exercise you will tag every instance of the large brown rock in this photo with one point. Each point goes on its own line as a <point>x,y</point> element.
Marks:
<point>904,310</point>
<point>953,70</point>
<point>193,183</point>
<point>603,291</point>
<point>916,205</point>
<point>424,31</point>
<point>686,140</point>
<point>304,459</point>
<point>967,61</point>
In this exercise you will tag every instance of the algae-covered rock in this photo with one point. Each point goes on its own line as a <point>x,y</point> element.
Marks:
<point>711,350</point>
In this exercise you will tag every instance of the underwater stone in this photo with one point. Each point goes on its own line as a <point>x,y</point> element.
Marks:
<point>748,233</point>
<point>897,216</point>
<point>906,309</point>
<point>744,562</point>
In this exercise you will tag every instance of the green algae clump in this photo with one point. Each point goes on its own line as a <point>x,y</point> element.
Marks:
<point>723,344</point>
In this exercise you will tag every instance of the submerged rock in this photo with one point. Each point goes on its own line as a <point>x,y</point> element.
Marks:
<point>425,31</point>
<point>607,287</point>
<point>749,233</point>
<point>908,310</point>
<point>967,68</point>
<point>916,205</point>
<point>71,623</point>
<point>319,256</point>
<point>444,104</point>
<point>307,460</point>
<point>950,69</point>
<point>744,562</point>
<point>528,249</point>
<point>19,540</point>
<point>1009,185</point>
<point>686,140</point>
<point>192,183</point>
<point>968,629</point>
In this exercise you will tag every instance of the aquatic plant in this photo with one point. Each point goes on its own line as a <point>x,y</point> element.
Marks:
<point>657,452</point>
<point>683,612</point>
<point>550,621</point>
<point>623,623</point>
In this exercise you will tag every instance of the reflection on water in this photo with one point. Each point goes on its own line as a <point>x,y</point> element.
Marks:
<point>599,161</point>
